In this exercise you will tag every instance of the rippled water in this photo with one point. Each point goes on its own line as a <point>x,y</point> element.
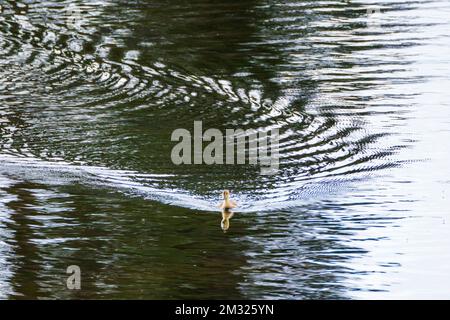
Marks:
<point>89,99</point>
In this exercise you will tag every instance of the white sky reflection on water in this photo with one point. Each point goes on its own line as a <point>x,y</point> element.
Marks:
<point>419,244</point>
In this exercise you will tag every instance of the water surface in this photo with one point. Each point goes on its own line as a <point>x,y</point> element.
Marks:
<point>89,99</point>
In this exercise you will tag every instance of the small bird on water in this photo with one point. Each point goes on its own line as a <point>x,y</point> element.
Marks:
<point>227,203</point>
<point>226,206</point>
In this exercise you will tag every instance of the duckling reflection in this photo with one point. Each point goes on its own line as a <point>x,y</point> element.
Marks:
<point>226,207</point>
<point>227,214</point>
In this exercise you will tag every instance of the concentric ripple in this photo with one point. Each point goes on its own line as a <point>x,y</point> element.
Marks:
<point>80,93</point>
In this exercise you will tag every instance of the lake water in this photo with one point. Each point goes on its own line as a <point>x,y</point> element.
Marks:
<point>91,91</point>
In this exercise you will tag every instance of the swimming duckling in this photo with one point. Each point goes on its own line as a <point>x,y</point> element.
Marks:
<point>227,203</point>
<point>226,207</point>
